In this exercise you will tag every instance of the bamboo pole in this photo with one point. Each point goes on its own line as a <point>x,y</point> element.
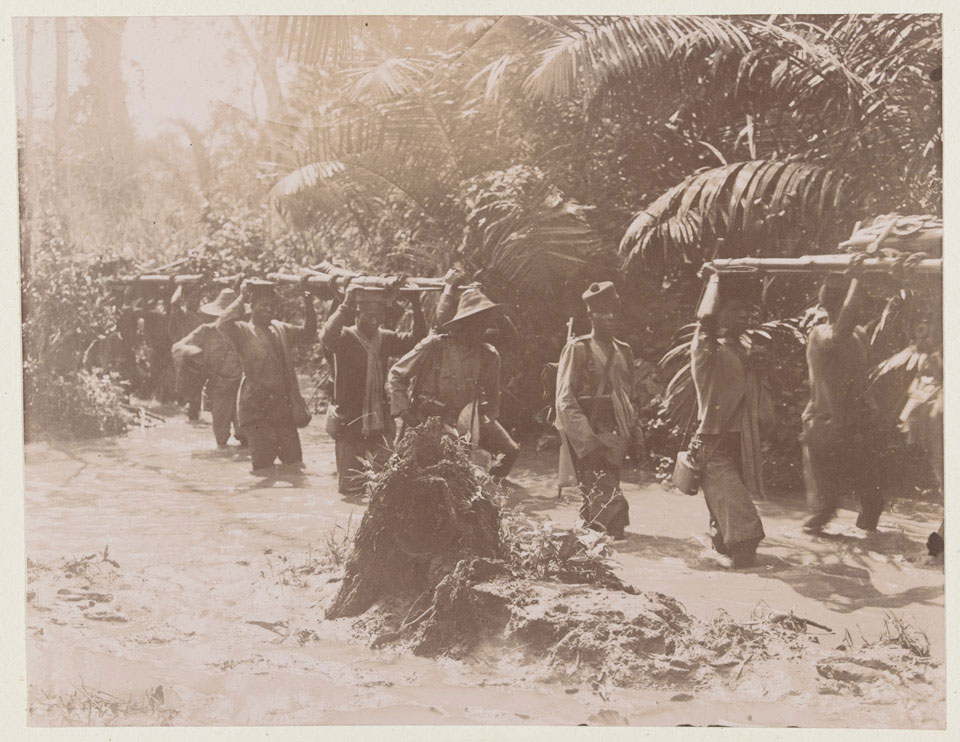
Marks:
<point>174,280</point>
<point>346,275</point>
<point>157,279</point>
<point>332,283</point>
<point>820,264</point>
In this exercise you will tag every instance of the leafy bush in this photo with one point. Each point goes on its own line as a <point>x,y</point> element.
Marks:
<point>544,549</point>
<point>75,405</point>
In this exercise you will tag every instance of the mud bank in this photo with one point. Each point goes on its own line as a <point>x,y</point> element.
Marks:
<point>601,638</point>
<point>211,608</point>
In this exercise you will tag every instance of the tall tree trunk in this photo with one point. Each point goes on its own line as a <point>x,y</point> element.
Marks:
<point>26,181</point>
<point>265,59</point>
<point>104,68</point>
<point>28,69</point>
<point>61,120</point>
<point>114,192</point>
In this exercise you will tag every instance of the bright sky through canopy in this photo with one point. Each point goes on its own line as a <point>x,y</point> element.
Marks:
<point>173,68</point>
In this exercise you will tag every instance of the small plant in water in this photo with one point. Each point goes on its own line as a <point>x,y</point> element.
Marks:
<point>334,549</point>
<point>96,707</point>
<point>899,632</point>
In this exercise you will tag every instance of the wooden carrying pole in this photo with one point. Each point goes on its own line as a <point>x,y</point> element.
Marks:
<point>820,264</point>
<point>159,279</point>
<point>332,284</point>
<point>346,275</point>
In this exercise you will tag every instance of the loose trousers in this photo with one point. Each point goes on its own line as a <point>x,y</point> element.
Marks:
<point>604,507</point>
<point>222,400</point>
<point>733,516</point>
<point>272,439</point>
<point>849,465</point>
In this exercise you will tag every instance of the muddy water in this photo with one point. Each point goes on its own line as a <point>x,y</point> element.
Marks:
<point>200,545</point>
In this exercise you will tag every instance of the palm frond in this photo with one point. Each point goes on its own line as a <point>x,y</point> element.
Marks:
<point>521,228</point>
<point>402,144</point>
<point>678,407</point>
<point>387,79</point>
<point>492,75</point>
<point>747,204</point>
<point>313,41</point>
<point>907,360</point>
<point>584,53</point>
<point>354,185</point>
<point>544,254</point>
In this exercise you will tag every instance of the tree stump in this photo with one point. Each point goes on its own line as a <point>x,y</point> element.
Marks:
<point>428,510</point>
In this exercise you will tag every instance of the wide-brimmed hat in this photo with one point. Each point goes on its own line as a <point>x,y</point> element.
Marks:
<point>601,295</point>
<point>219,305</point>
<point>472,302</point>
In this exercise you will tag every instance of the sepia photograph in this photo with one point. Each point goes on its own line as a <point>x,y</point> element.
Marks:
<point>538,371</point>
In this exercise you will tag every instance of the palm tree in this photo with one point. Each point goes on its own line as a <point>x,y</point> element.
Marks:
<point>828,101</point>
<point>397,133</point>
<point>761,207</point>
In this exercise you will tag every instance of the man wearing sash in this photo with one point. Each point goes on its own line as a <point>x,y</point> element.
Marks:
<point>363,428</point>
<point>728,398</point>
<point>269,404</point>
<point>595,417</point>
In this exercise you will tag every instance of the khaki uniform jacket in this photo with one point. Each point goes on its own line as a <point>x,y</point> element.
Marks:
<point>452,372</point>
<point>579,374</point>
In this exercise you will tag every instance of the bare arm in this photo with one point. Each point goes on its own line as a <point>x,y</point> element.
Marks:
<point>226,323</point>
<point>447,306</point>
<point>398,343</point>
<point>708,311</point>
<point>308,332</point>
<point>847,319</point>
<point>450,298</point>
<point>332,330</point>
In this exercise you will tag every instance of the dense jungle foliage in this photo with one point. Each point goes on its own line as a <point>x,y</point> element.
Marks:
<point>538,154</point>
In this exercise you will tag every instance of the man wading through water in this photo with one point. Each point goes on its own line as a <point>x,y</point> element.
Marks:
<point>269,404</point>
<point>185,317</point>
<point>359,420</point>
<point>456,377</point>
<point>841,421</point>
<point>728,399</point>
<point>206,356</point>
<point>595,417</point>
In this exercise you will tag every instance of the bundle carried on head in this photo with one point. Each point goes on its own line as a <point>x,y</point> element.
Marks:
<point>429,508</point>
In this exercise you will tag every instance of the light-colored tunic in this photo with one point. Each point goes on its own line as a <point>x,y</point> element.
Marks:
<point>451,371</point>
<point>580,373</point>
